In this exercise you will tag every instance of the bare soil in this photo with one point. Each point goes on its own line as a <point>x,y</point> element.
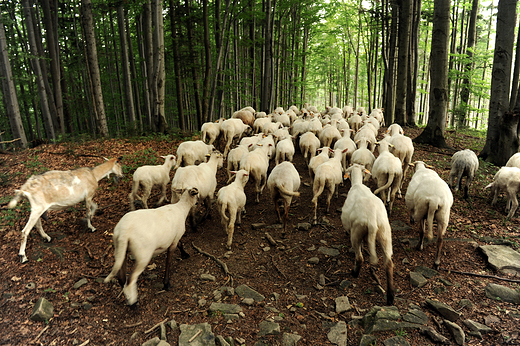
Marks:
<point>75,253</point>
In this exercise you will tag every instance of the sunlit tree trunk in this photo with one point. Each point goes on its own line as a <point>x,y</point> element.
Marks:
<point>9,92</point>
<point>127,81</point>
<point>193,65</point>
<point>433,134</point>
<point>402,60</point>
<point>159,71</point>
<point>268,53</point>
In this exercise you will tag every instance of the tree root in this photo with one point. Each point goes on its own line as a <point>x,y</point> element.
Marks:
<point>221,263</point>
<point>480,275</point>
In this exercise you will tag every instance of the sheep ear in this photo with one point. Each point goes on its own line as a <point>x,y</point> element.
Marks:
<point>345,150</point>
<point>164,157</point>
<point>194,191</point>
<point>346,176</point>
<point>367,171</point>
<point>429,166</point>
<point>233,172</point>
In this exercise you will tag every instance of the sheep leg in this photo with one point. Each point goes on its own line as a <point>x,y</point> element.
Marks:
<point>163,195</point>
<point>130,290</point>
<point>422,226</point>
<point>36,212</point>
<point>356,242</point>
<point>91,210</point>
<point>287,205</point>
<point>166,282</point>
<point>512,203</point>
<point>329,197</point>
<point>146,194</point>
<point>121,274</point>
<point>231,227</point>
<point>390,292</point>
<point>184,254</point>
<point>41,231</point>
<point>439,244</point>
<point>276,206</point>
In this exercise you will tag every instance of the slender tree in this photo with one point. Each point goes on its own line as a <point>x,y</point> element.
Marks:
<point>127,79</point>
<point>405,14</point>
<point>433,134</point>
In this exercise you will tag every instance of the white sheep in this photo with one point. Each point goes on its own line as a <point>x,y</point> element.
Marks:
<point>363,156</point>
<point>192,152</point>
<point>231,199</point>
<point>364,216</point>
<point>316,160</point>
<point>203,177</point>
<point>347,112</point>
<point>429,198</point>
<point>245,115</point>
<point>507,179</point>
<point>256,164</point>
<point>231,129</point>
<point>403,149</point>
<point>328,176</point>
<point>57,190</point>
<point>147,177</point>
<point>388,173</point>
<point>355,122</point>
<point>211,131</point>
<point>464,163</point>
<point>259,123</point>
<point>346,142</point>
<point>514,161</point>
<point>284,150</point>
<point>315,126</point>
<point>270,127</point>
<point>369,133</point>
<point>395,129</point>
<point>378,114</point>
<point>247,141</point>
<point>309,143</point>
<point>283,183</point>
<point>145,233</point>
<point>235,156</point>
<point>259,115</point>
<point>329,135</point>
<point>299,127</point>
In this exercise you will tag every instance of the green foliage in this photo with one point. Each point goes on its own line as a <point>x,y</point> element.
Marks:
<point>401,332</point>
<point>140,158</point>
<point>34,165</point>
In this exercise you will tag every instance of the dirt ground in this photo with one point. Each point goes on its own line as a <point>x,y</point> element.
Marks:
<point>97,312</point>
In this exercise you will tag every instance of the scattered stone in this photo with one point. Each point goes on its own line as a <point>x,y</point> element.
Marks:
<point>43,310</point>
<point>328,251</point>
<point>416,316</point>
<point>396,341</point>
<point>225,308</point>
<point>207,277</point>
<point>388,313</point>
<point>201,303</point>
<point>245,291</point>
<point>268,328</point>
<point>389,325</point>
<point>267,248</point>
<point>217,295</point>
<point>444,310</point>
<point>312,248</point>
<point>255,226</point>
<point>272,309</point>
<point>173,325</point>
<point>477,329</point>
<point>502,258</point>
<point>80,283</point>
<point>345,284</point>
<point>405,260</point>
<point>426,272</point>
<point>502,293</point>
<point>30,286</point>
<point>342,304</point>
<point>465,302</point>
<point>456,331</point>
<point>162,328</point>
<point>240,340</point>
<point>417,279</point>
<point>275,296</point>
<point>304,226</point>
<point>445,282</point>
<point>290,339</point>
<point>231,317</point>
<point>367,340</point>
<point>152,342</point>
<point>321,280</point>
<point>436,337</point>
<point>489,320</point>
<point>228,291</point>
<point>87,306</point>
<point>248,301</point>
<point>399,225</point>
<point>313,260</point>
<point>206,338</point>
<point>338,334</point>
<point>222,341</point>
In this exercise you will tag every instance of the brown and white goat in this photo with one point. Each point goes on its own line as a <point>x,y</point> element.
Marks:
<point>57,190</point>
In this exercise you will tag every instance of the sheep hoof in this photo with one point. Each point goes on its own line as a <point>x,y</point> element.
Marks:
<point>134,306</point>
<point>23,259</point>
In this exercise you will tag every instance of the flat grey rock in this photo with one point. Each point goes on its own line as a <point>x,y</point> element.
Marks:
<point>338,334</point>
<point>388,313</point>
<point>342,304</point>
<point>328,251</point>
<point>43,310</point>
<point>396,341</point>
<point>256,226</point>
<point>389,325</point>
<point>444,310</point>
<point>80,283</point>
<point>477,327</point>
<point>456,331</point>
<point>426,272</point>
<point>417,279</point>
<point>207,277</point>
<point>245,291</point>
<point>290,339</point>
<point>416,316</point>
<point>367,340</point>
<point>221,341</point>
<point>269,328</point>
<point>313,260</point>
<point>225,308</point>
<point>502,258</point>
<point>502,293</point>
<point>206,338</point>
<point>304,226</point>
<point>435,336</point>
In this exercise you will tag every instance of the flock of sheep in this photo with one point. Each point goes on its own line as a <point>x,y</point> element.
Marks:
<point>337,144</point>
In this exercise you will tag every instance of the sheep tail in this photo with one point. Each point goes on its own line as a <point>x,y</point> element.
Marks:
<point>223,208</point>
<point>318,191</point>
<point>284,191</point>
<point>387,185</point>
<point>14,201</point>
<point>432,208</point>
<point>490,185</point>
<point>120,248</point>
<point>204,136</point>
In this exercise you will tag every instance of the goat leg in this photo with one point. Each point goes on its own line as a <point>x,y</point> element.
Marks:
<point>184,254</point>
<point>166,281</point>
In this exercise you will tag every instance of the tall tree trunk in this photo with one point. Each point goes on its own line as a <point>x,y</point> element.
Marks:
<point>502,134</point>
<point>193,65</point>
<point>433,134</point>
<point>49,126</point>
<point>268,49</point>
<point>54,62</point>
<point>159,71</point>
<point>94,74</point>
<point>9,92</point>
<point>464,93</point>
<point>411,115</point>
<point>390,69</point>
<point>177,66</point>
<point>402,60</point>
<point>127,80</point>
<point>207,60</point>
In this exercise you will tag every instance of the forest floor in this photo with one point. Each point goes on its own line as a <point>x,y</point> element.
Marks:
<point>96,312</point>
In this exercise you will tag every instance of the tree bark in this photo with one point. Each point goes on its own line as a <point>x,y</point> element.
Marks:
<point>9,92</point>
<point>177,66</point>
<point>268,53</point>
<point>159,71</point>
<point>433,134</point>
<point>502,134</point>
<point>127,80</point>
<point>402,61</point>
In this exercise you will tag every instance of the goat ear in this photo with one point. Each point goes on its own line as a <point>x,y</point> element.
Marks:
<point>367,171</point>
<point>194,191</point>
<point>345,150</point>
<point>429,166</point>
